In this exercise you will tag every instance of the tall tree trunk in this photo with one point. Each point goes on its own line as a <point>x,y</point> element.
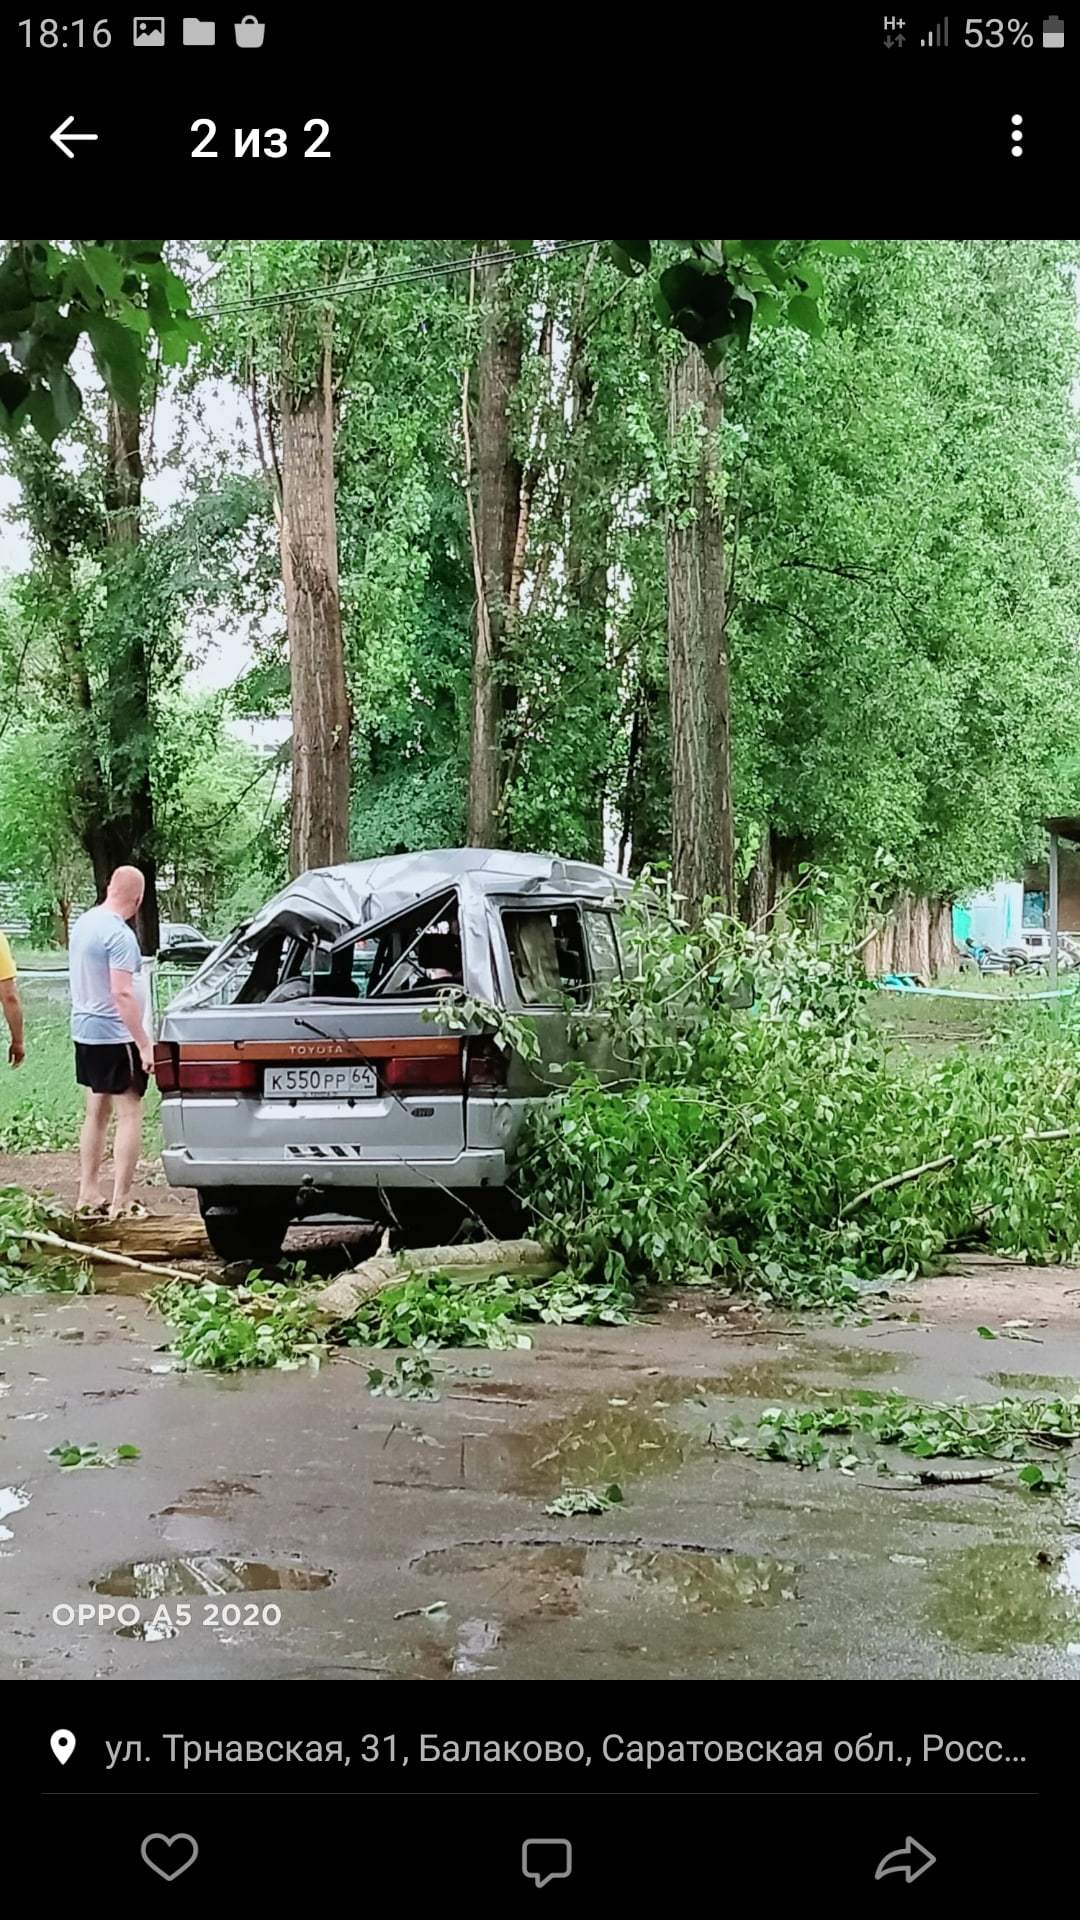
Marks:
<point>902,952</point>
<point>126,835</point>
<point>758,898</point>
<point>321,717</point>
<point>493,481</point>
<point>787,853</point>
<point>920,937</point>
<point>646,821</point>
<point>588,541</point>
<point>633,758</point>
<point>942,954</point>
<point>871,955</point>
<point>702,844</point>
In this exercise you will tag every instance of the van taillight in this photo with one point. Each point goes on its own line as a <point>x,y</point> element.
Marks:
<point>166,1064</point>
<point>486,1070</point>
<point>218,1076</point>
<point>405,1073</point>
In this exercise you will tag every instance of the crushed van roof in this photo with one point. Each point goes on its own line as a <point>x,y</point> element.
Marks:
<point>361,892</point>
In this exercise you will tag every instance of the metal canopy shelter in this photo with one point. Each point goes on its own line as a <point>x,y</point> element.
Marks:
<point>1059,827</point>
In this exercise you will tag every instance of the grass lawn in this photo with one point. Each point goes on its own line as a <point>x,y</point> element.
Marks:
<point>977,1008</point>
<point>40,1104</point>
<point>38,958</point>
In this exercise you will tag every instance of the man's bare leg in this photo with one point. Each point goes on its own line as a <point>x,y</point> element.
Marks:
<point>126,1149</point>
<point>92,1148</point>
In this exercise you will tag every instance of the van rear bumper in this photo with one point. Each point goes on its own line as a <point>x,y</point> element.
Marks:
<point>325,1166</point>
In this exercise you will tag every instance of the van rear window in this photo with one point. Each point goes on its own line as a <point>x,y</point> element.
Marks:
<point>547,953</point>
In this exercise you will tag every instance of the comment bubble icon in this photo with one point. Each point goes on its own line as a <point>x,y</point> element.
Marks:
<point>544,1860</point>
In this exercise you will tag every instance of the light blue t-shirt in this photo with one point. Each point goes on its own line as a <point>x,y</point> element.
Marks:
<point>99,940</point>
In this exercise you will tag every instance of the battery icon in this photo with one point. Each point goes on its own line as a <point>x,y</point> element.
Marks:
<point>1054,31</point>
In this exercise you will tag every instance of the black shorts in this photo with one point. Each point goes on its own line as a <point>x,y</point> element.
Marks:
<point>109,1069</point>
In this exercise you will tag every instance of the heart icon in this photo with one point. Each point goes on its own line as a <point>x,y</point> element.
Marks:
<point>170,1855</point>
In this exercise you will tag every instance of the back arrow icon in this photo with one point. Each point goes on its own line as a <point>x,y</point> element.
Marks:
<point>904,1859</point>
<point>62,134</point>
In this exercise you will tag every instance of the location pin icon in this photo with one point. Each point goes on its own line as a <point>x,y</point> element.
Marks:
<point>63,1745</point>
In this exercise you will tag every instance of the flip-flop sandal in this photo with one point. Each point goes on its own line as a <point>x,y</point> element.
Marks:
<point>136,1211</point>
<point>98,1212</point>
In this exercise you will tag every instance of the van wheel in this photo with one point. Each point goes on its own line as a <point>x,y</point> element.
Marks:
<point>251,1230</point>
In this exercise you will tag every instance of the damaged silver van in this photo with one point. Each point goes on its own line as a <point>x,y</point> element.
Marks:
<point>300,1078</point>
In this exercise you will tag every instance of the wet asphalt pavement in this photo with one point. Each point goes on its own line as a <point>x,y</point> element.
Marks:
<point>313,1530</point>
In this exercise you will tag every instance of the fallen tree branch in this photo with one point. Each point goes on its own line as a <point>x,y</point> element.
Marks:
<point>949,1159</point>
<point>345,1295</point>
<point>717,1154</point>
<point>88,1252</point>
<point>956,1477</point>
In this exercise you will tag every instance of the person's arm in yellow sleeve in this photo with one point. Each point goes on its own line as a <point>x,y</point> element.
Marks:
<point>11,1004</point>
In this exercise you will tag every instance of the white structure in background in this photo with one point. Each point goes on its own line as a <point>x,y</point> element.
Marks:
<point>996,915</point>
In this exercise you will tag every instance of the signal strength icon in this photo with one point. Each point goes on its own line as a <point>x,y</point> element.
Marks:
<point>937,37</point>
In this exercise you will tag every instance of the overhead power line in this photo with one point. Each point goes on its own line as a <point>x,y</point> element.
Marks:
<point>403,276</point>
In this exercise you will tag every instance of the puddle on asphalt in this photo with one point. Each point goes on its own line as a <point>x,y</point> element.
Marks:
<point>1050,1384</point>
<point>597,1441</point>
<point>12,1500</point>
<point>856,1361</point>
<point>477,1640</point>
<point>778,1376</point>
<point>995,1599</point>
<point>560,1580</point>
<point>148,1630</point>
<point>651,1427</point>
<point>206,1573</point>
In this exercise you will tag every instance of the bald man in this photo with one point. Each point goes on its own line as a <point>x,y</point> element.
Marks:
<point>113,1055</point>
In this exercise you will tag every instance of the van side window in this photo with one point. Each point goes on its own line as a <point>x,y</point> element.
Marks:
<point>603,946</point>
<point>547,953</point>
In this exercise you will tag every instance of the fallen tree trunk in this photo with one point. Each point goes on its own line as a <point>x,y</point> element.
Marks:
<point>349,1292</point>
<point>162,1236</point>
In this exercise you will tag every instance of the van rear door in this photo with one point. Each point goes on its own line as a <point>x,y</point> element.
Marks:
<point>336,1060</point>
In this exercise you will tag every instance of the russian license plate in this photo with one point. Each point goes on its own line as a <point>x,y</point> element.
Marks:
<point>333,1080</point>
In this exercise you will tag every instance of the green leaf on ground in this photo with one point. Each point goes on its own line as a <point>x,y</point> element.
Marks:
<point>585,1500</point>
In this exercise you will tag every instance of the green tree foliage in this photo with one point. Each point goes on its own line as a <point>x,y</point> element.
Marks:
<point>907,550</point>
<point>218,808</point>
<point>71,743</point>
<point>793,1146</point>
<point>40,854</point>
<point>899,523</point>
<point>116,293</point>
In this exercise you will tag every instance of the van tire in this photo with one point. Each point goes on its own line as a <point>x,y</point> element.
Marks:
<point>250,1230</point>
